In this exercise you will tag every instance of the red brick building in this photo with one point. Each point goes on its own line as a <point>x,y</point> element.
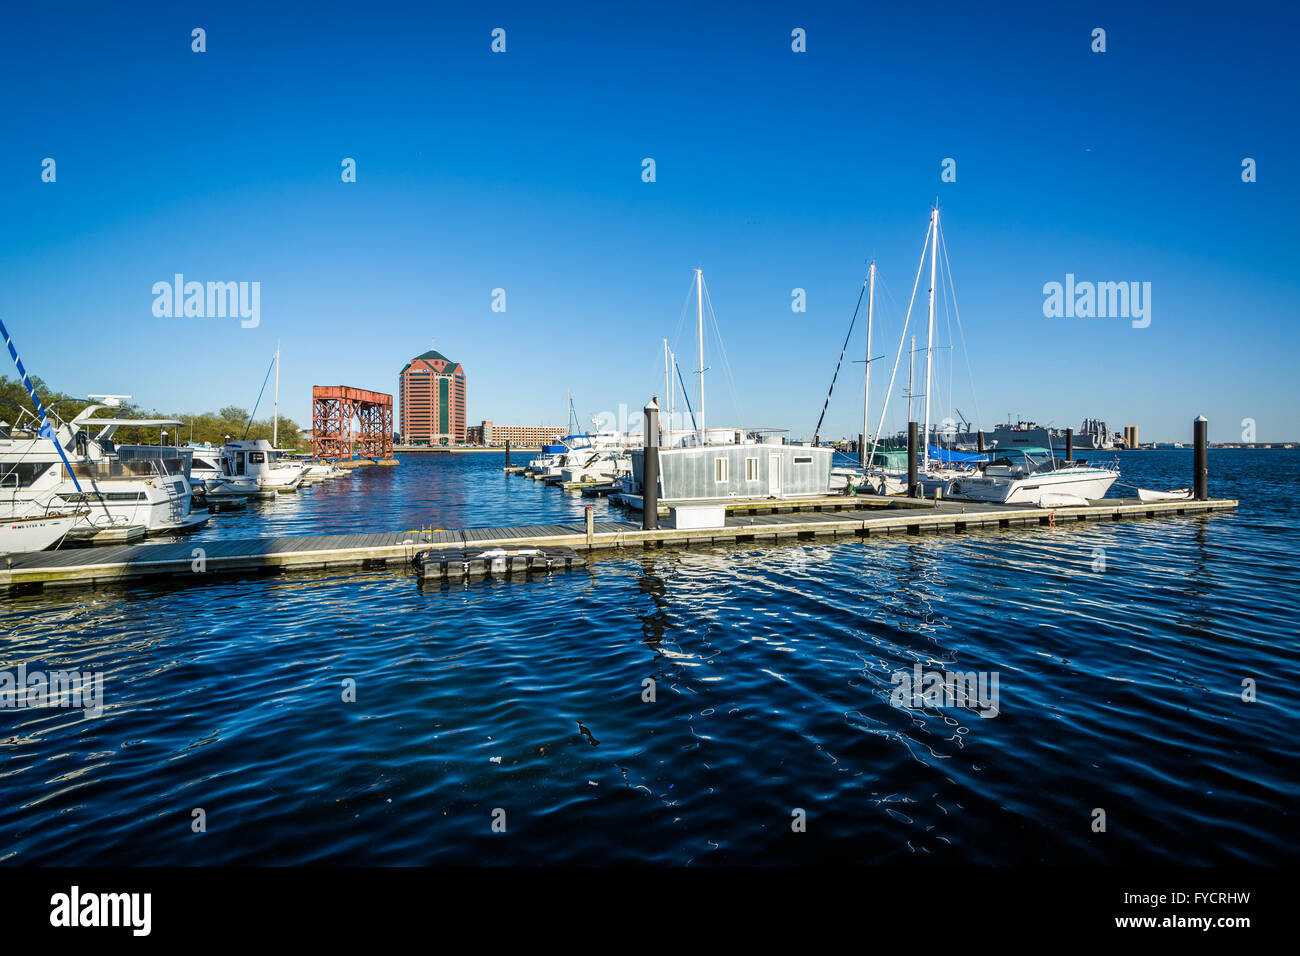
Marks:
<point>431,397</point>
<point>523,435</point>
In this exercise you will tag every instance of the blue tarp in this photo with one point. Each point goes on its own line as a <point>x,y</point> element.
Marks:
<point>958,457</point>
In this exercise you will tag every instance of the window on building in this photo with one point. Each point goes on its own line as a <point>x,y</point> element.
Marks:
<point>719,469</point>
<point>803,460</point>
<point>751,469</point>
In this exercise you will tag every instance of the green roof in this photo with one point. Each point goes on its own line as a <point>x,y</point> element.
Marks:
<point>433,356</point>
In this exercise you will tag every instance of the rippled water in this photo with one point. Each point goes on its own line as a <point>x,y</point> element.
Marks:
<point>1120,651</point>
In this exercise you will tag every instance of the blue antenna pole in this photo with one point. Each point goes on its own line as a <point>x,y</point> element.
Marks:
<point>46,431</point>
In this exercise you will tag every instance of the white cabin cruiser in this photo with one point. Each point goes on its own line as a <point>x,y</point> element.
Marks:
<point>136,485</point>
<point>596,465</point>
<point>254,465</point>
<point>1032,476</point>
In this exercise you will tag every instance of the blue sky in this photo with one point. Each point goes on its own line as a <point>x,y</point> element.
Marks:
<point>775,170</point>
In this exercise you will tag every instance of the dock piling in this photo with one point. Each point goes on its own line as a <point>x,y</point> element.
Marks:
<point>650,473</point>
<point>1069,444</point>
<point>507,453</point>
<point>911,460</point>
<point>862,450</point>
<point>589,520</point>
<point>1201,458</point>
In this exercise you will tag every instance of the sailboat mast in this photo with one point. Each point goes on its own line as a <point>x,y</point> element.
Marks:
<point>929,346</point>
<point>275,424</point>
<point>911,375</point>
<point>668,387</point>
<point>866,387</point>
<point>699,318</point>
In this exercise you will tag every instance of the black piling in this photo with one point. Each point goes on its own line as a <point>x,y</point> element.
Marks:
<point>1069,444</point>
<point>862,450</point>
<point>650,469</point>
<point>1201,459</point>
<point>979,440</point>
<point>912,447</point>
<point>507,454</point>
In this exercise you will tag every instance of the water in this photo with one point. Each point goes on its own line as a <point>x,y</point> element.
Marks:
<point>1120,651</point>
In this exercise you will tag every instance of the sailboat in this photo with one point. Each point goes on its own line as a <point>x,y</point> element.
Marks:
<point>1019,476</point>
<point>716,464</point>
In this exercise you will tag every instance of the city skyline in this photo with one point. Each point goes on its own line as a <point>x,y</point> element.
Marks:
<point>500,207</point>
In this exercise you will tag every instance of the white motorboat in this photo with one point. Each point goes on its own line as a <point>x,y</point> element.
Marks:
<point>1031,476</point>
<point>253,466</point>
<point>596,465</point>
<point>136,485</point>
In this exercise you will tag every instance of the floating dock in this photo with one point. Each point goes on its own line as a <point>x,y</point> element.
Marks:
<point>197,562</point>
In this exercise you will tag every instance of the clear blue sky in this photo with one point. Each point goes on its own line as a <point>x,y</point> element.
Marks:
<point>775,170</point>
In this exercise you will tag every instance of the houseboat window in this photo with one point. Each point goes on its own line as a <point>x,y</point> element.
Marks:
<point>751,469</point>
<point>719,469</point>
<point>803,460</point>
<point>256,457</point>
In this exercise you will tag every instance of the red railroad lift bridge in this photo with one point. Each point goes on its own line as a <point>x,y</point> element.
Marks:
<point>335,408</point>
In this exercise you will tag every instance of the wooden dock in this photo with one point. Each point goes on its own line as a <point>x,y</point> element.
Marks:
<point>188,563</point>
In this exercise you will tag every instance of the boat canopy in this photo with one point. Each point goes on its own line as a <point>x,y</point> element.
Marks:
<point>1022,451</point>
<point>958,457</point>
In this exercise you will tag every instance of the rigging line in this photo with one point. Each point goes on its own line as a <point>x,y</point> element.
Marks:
<point>681,319</point>
<point>875,441</point>
<point>817,431</point>
<point>979,418</point>
<point>685,395</point>
<point>726,363</point>
<point>259,398</point>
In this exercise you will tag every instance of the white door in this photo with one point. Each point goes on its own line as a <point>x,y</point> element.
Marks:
<point>773,474</point>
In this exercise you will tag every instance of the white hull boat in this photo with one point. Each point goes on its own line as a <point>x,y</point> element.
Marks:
<point>1146,494</point>
<point>34,532</point>
<point>1023,484</point>
<point>143,486</point>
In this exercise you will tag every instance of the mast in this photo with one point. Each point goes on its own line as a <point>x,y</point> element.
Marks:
<point>911,372</point>
<point>699,316</point>
<point>668,390</point>
<point>275,423</point>
<point>866,388</point>
<point>929,345</point>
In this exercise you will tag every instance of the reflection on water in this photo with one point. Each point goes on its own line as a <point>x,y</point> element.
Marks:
<point>772,672</point>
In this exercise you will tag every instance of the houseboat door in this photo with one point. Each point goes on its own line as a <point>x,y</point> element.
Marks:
<point>773,474</point>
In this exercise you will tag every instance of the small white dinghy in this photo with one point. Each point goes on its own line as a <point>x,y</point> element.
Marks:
<point>1061,499</point>
<point>1147,494</point>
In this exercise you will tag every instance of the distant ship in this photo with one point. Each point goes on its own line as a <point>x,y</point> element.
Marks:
<point>1092,435</point>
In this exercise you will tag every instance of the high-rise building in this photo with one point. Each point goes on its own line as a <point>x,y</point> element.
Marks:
<point>431,393</point>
